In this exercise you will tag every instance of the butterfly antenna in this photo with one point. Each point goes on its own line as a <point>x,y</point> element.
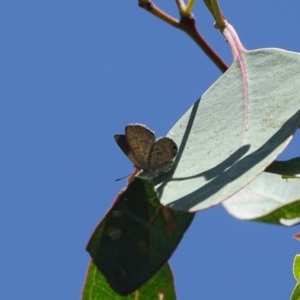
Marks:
<point>118,179</point>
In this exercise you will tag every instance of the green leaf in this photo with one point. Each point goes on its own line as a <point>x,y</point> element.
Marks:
<point>287,215</point>
<point>296,272</point>
<point>268,198</point>
<point>296,293</point>
<point>296,267</point>
<point>136,237</point>
<point>160,286</point>
<point>235,131</point>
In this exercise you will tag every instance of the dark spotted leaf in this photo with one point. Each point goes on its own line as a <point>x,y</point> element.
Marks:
<point>136,237</point>
<point>160,286</point>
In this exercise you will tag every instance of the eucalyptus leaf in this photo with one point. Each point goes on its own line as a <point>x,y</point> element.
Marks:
<point>136,237</point>
<point>296,293</point>
<point>160,286</point>
<point>296,271</point>
<point>296,267</point>
<point>288,168</point>
<point>269,198</point>
<point>224,141</point>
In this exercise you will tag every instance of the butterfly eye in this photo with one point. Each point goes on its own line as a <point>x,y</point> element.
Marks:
<point>174,149</point>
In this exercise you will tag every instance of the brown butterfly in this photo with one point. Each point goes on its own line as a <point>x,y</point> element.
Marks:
<point>152,157</point>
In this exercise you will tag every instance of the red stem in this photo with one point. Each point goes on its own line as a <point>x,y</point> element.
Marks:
<point>188,25</point>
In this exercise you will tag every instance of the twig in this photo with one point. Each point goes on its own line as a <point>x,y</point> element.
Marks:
<point>186,24</point>
<point>215,10</point>
<point>153,9</point>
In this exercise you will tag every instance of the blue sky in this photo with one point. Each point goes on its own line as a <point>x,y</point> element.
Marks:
<point>74,73</point>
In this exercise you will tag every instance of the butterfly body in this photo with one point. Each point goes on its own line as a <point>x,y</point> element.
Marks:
<point>152,157</point>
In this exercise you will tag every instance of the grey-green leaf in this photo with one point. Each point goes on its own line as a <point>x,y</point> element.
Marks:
<point>266,194</point>
<point>230,136</point>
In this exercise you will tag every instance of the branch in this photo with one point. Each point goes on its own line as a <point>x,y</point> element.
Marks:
<point>187,24</point>
<point>153,9</point>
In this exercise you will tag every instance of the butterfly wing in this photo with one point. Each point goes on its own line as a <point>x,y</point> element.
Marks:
<point>161,155</point>
<point>140,140</point>
<point>123,144</point>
